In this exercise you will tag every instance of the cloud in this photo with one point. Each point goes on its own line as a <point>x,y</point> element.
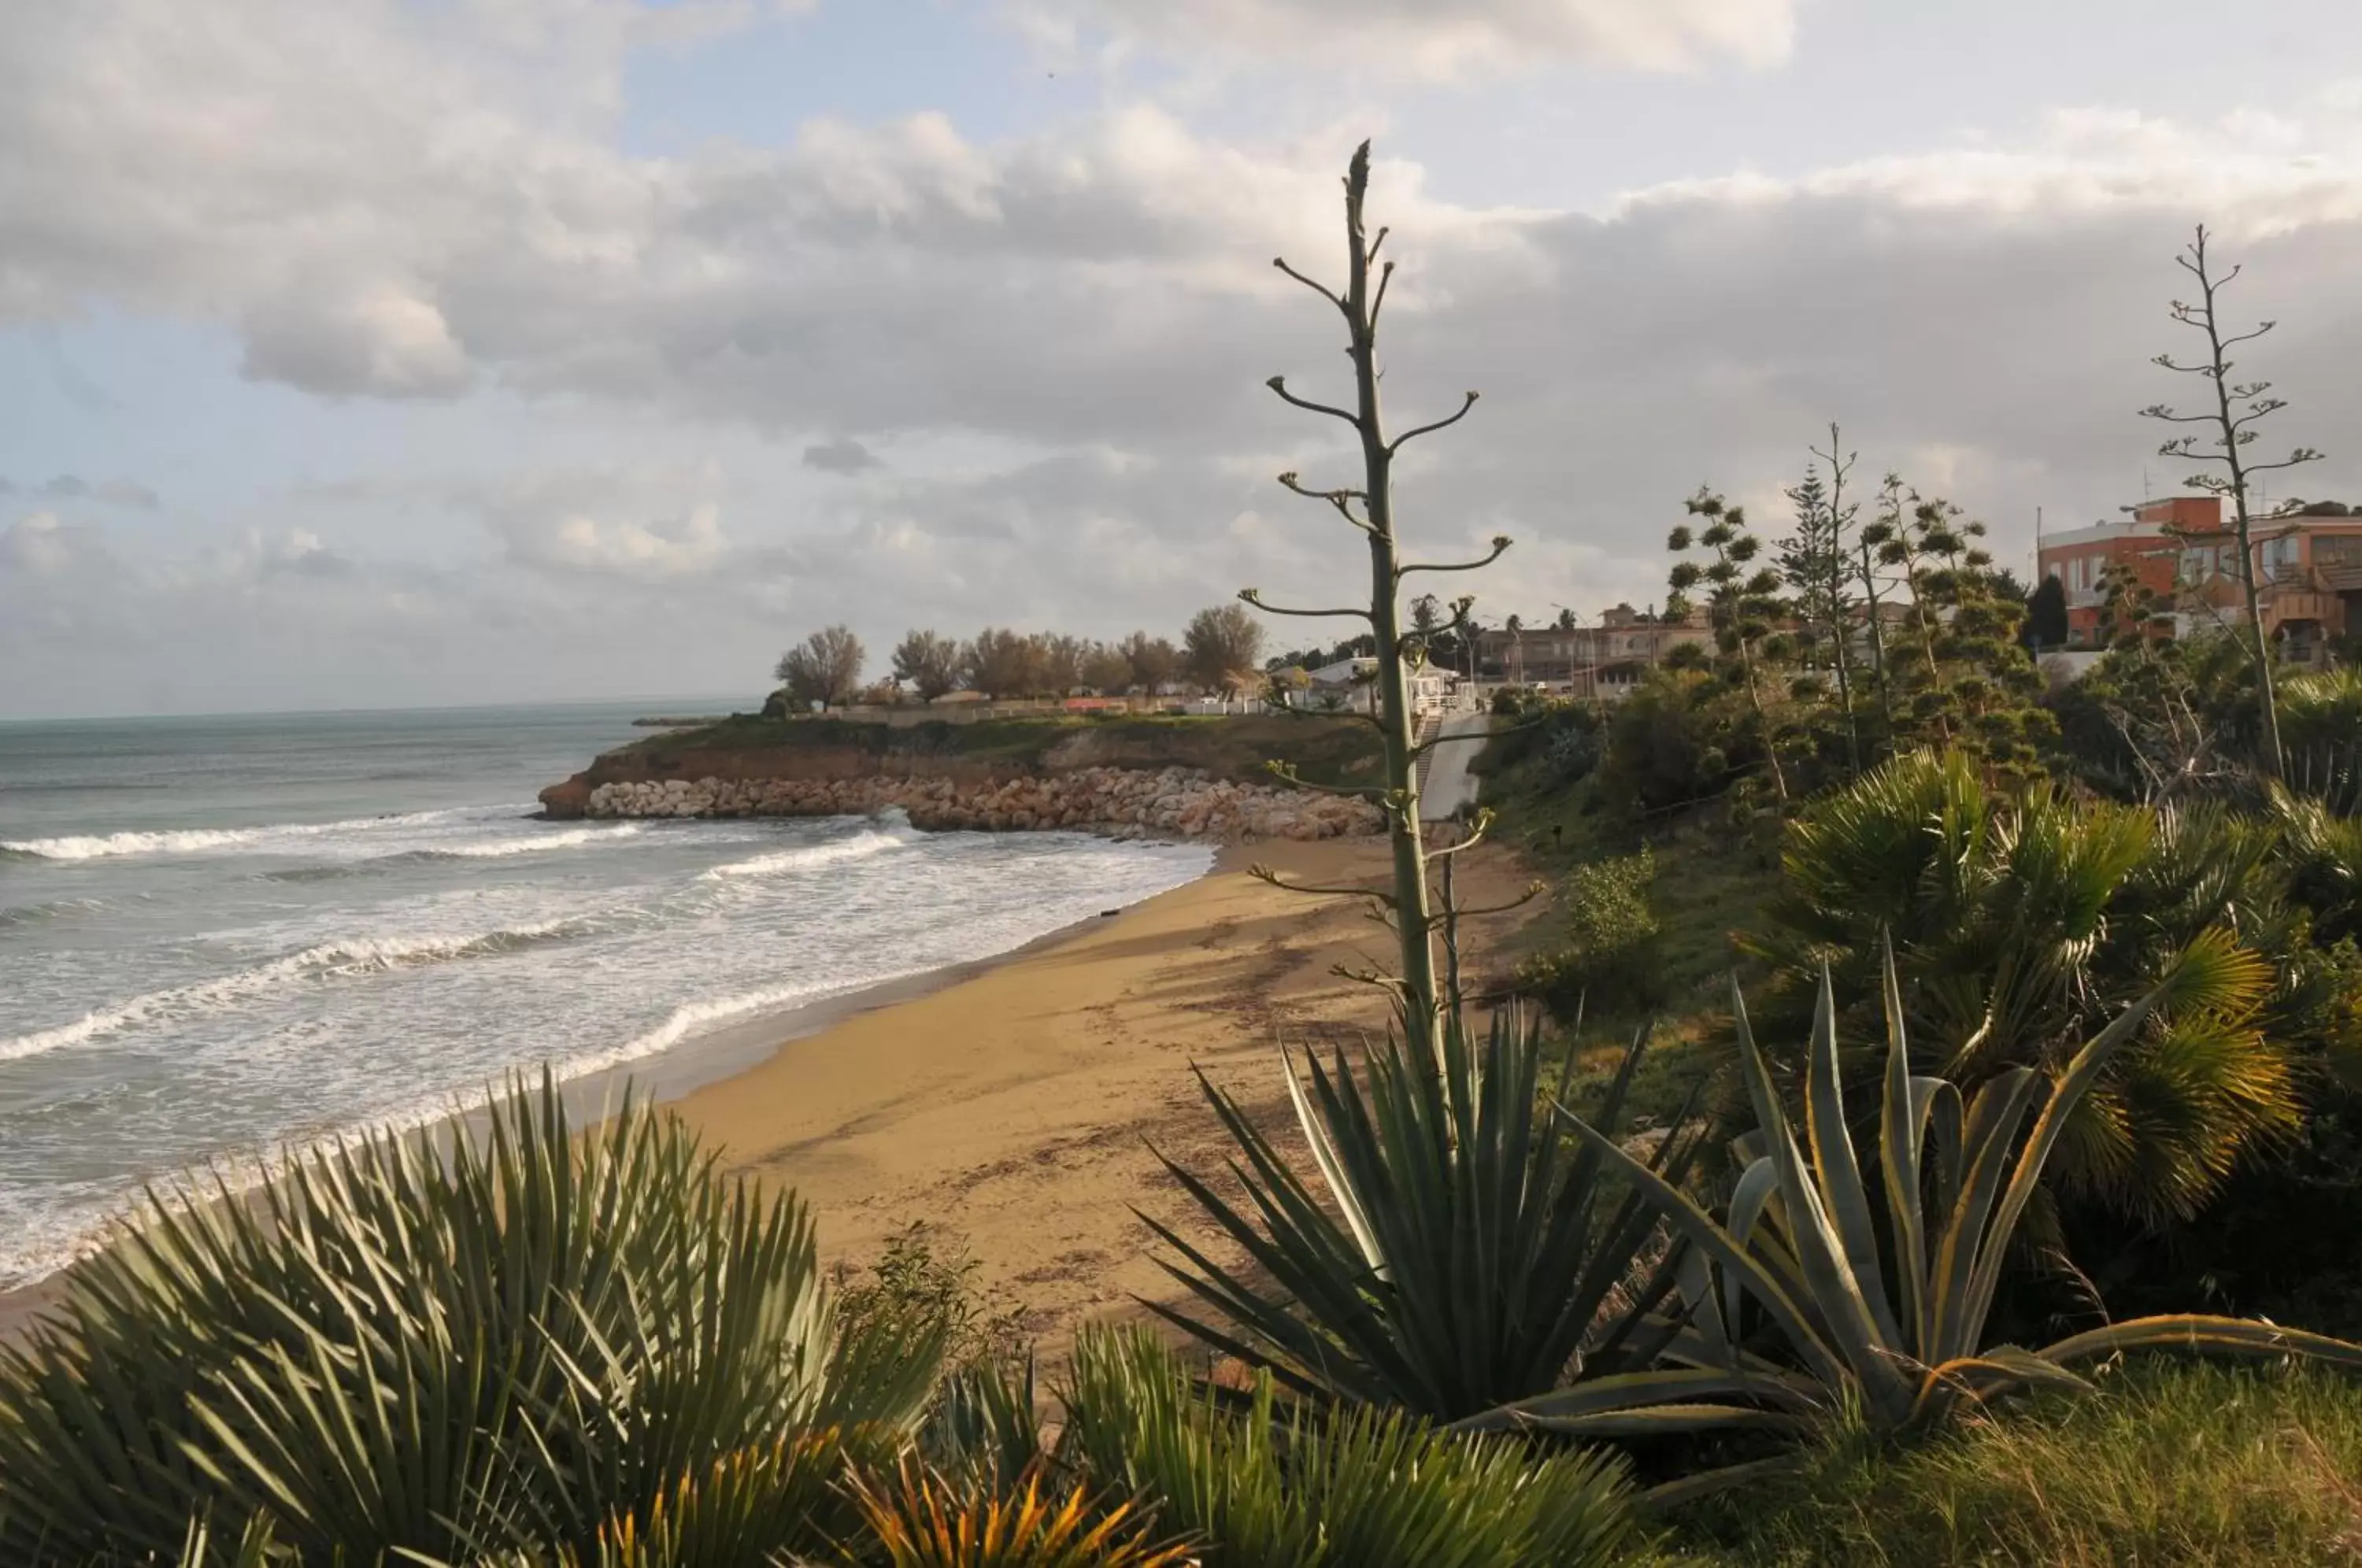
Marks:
<point>380,341</point>
<point>1064,335</point>
<point>112,493</point>
<point>841,456</point>
<point>1423,39</point>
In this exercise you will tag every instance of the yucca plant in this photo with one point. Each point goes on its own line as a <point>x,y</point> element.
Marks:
<point>526,1339</point>
<point>1467,1254</point>
<point>1880,1302</point>
<point>1259,1483</point>
<point>928,1520</point>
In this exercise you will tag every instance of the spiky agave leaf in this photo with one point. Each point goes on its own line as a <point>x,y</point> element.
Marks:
<point>1798,1228</point>
<point>1263,1483</point>
<point>928,1520</point>
<point>1446,1253</point>
<point>403,1347</point>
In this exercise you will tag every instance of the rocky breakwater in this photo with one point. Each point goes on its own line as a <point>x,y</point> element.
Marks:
<point>1127,802</point>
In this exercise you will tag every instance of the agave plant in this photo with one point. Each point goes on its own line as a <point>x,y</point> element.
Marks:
<point>1881,1304</point>
<point>1470,1256</point>
<point>930,1521</point>
<point>1262,1484</point>
<point>526,1341</point>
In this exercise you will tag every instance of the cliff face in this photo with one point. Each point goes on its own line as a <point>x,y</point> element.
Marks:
<point>1194,779</point>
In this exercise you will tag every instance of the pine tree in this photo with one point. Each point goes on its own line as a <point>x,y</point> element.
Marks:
<point>1742,604</point>
<point>1817,561</point>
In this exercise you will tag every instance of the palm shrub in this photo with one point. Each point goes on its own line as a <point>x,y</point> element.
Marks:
<point>1467,1254</point>
<point>2019,922</point>
<point>1259,1483</point>
<point>529,1340</point>
<point>1880,1302</point>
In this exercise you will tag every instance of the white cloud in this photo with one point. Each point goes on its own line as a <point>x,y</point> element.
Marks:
<point>380,341</point>
<point>1061,337</point>
<point>1441,40</point>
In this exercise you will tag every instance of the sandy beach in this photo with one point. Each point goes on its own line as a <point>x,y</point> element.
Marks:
<point>1015,1108</point>
<point>1011,1105</point>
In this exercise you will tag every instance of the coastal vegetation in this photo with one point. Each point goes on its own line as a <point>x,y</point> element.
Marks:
<point>1957,1024</point>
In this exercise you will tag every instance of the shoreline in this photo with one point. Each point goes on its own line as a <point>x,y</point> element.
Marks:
<point>665,1077</point>
<point>986,1096</point>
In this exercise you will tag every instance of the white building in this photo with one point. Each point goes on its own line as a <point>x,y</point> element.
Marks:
<point>1351,686</point>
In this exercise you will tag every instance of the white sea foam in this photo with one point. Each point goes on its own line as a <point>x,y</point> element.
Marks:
<point>197,841</point>
<point>860,847</point>
<point>501,848</point>
<point>352,955</point>
<point>699,1017</point>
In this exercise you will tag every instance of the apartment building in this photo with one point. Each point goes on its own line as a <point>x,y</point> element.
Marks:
<point>1603,661</point>
<point>2308,565</point>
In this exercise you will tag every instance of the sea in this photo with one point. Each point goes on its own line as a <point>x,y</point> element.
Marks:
<point>225,939</point>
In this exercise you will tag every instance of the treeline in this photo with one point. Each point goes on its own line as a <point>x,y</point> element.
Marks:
<point>1217,651</point>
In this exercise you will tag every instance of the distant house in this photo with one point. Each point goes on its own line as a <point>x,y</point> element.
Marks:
<point>1603,662</point>
<point>1351,686</point>
<point>2308,571</point>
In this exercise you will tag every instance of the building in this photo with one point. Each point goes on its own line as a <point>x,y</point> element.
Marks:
<point>2308,569</point>
<point>1351,686</point>
<point>1603,661</point>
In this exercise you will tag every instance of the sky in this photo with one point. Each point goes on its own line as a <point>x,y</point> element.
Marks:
<point>423,352</point>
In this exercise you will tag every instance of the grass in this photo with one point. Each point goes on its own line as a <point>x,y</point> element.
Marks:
<point>1711,881</point>
<point>2172,1465</point>
<point>1326,750</point>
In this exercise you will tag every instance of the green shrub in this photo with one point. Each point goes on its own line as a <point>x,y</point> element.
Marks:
<point>2171,1466</point>
<point>1613,961</point>
<point>1264,1487</point>
<point>530,1342</point>
<point>926,1283</point>
<point>1879,1307</point>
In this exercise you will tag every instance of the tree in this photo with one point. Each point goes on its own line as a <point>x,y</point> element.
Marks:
<point>1155,662</point>
<point>1370,510</point>
<point>1221,648</point>
<point>825,667</point>
<point>1058,663</point>
<point>928,663</point>
<point>2238,408</point>
<point>1960,676</point>
<point>1107,670</point>
<point>1817,561</point>
<point>2046,614</point>
<point>1740,604</point>
<point>1000,664</point>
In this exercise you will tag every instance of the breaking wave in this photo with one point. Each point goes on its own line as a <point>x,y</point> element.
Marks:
<point>333,959</point>
<point>860,847</point>
<point>197,841</point>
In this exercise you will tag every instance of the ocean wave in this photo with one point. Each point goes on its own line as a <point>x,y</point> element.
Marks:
<point>197,841</point>
<point>356,955</point>
<point>41,914</point>
<point>695,1018</point>
<point>501,848</point>
<point>860,847</point>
